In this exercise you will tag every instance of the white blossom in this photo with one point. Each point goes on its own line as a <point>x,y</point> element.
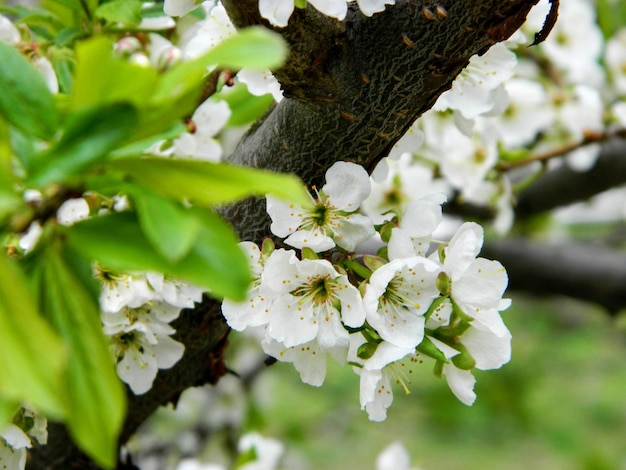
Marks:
<point>474,91</point>
<point>13,445</point>
<point>396,298</point>
<point>207,120</point>
<point>72,211</point>
<point>331,218</point>
<point>313,302</point>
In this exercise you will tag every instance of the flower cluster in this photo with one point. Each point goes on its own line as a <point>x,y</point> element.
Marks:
<point>415,299</point>
<point>136,311</point>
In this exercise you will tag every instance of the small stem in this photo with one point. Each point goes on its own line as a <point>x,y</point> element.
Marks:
<point>589,138</point>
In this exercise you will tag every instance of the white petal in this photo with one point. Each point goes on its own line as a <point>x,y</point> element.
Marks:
<point>481,286</point>
<point>335,8</point>
<point>488,350</point>
<point>138,370</point>
<point>254,311</point>
<point>308,359</point>
<point>352,310</point>
<point>281,272</point>
<point>8,32</point>
<point>353,230</point>
<point>385,354</point>
<point>447,351</point>
<point>331,332</point>
<point>210,117</point>
<point>382,395</point>
<point>461,382</point>
<point>347,185</point>
<point>463,249</point>
<point>393,457</point>
<point>178,7</point>
<point>421,217</point>
<point>15,437</point>
<point>291,323</point>
<point>314,239</point>
<point>72,211</point>
<point>168,352</point>
<point>44,67</point>
<point>276,11</point>
<point>286,217</point>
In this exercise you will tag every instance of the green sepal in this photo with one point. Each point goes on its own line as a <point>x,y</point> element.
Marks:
<point>438,369</point>
<point>434,306</point>
<point>366,350</point>
<point>428,348</point>
<point>444,284</point>
<point>357,268</point>
<point>267,247</point>
<point>308,253</point>
<point>463,361</point>
<point>374,262</point>
<point>385,231</point>
<point>441,253</point>
<point>25,101</point>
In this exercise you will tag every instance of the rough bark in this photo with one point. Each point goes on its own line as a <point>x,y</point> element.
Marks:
<point>352,89</point>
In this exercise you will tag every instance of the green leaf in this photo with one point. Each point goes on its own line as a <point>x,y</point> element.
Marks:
<point>32,357</point>
<point>7,410</point>
<point>25,101</point>
<point>245,106</point>
<point>171,228</point>
<point>89,138</point>
<point>208,183</point>
<point>124,11</point>
<point>63,64</point>
<point>215,261</point>
<point>254,47</point>
<point>97,396</point>
<point>101,77</point>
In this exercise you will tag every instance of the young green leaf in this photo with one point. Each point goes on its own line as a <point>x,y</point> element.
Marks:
<point>245,107</point>
<point>208,183</point>
<point>26,102</point>
<point>32,357</point>
<point>171,228</point>
<point>103,78</point>
<point>97,396</point>
<point>90,136</point>
<point>215,261</point>
<point>125,11</point>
